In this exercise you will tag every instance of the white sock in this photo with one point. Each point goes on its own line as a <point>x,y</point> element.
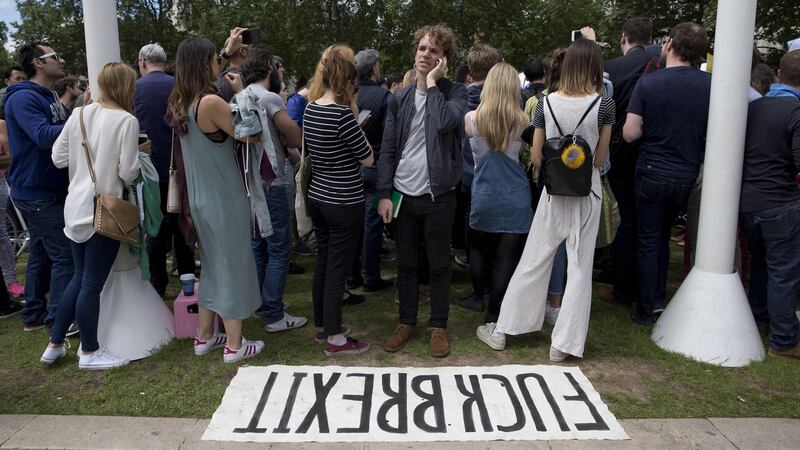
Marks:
<point>337,339</point>
<point>496,333</point>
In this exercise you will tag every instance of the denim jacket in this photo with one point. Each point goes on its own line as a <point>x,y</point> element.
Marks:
<point>249,119</point>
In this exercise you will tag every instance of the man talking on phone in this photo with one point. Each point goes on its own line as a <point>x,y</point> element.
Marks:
<point>421,161</point>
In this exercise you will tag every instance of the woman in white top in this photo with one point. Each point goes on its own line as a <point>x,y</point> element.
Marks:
<point>576,105</point>
<point>112,133</point>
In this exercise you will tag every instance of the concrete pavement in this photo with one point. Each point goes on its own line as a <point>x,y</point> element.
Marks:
<point>91,432</point>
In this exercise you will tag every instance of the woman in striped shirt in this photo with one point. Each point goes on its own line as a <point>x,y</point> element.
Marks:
<point>336,145</point>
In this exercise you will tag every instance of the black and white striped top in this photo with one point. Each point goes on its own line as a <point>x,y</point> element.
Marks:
<point>336,145</point>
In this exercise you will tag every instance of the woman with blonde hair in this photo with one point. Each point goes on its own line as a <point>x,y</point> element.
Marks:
<point>576,107</point>
<point>112,133</point>
<point>500,215</point>
<point>336,145</point>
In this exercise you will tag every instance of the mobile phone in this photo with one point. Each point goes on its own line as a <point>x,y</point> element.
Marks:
<point>142,138</point>
<point>576,34</point>
<point>251,36</point>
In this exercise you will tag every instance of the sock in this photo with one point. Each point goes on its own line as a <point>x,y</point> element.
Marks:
<point>334,340</point>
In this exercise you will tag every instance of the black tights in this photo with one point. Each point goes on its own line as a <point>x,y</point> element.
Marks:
<point>493,257</point>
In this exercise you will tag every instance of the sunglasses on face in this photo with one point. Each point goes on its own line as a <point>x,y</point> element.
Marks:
<point>53,55</point>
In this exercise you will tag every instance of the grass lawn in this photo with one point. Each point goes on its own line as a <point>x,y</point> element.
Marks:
<point>635,378</point>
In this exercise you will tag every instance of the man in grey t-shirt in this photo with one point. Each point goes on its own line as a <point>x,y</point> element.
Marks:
<point>421,159</point>
<point>273,253</point>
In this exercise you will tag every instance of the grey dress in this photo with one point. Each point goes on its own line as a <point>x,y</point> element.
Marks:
<point>221,215</point>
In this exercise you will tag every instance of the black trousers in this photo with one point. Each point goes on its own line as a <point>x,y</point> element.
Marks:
<point>493,258</point>
<point>423,219</point>
<point>338,231</point>
<point>169,236</point>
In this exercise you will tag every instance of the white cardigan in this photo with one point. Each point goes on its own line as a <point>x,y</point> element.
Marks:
<point>113,141</point>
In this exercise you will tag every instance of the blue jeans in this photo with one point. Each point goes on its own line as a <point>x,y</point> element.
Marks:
<point>81,299</point>
<point>773,237</point>
<point>373,229</point>
<point>49,259</point>
<point>273,254</point>
<point>559,272</point>
<point>658,201</point>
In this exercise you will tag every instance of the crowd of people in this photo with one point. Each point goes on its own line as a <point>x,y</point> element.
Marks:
<point>526,170</point>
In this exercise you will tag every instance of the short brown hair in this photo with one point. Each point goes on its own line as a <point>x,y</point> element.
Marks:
<point>689,41</point>
<point>62,84</point>
<point>639,30</point>
<point>789,70</point>
<point>442,34</point>
<point>481,59</point>
<point>117,84</point>
<point>336,70</point>
<point>582,71</point>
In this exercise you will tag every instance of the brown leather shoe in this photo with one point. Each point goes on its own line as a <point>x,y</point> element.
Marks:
<point>793,352</point>
<point>399,338</point>
<point>439,345</point>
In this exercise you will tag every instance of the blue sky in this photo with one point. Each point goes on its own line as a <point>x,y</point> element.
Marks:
<point>8,13</point>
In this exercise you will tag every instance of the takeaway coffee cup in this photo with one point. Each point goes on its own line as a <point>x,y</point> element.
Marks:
<point>187,284</point>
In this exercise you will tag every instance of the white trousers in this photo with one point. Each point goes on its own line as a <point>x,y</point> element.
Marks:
<point>576,220</point>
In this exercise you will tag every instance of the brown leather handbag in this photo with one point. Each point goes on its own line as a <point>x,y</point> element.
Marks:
<point>114,217</point>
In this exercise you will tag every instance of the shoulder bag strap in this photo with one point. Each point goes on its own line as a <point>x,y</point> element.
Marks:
<point>85,145</point>
<point>172,152</point>
<point>596,99</point>
<point>547,102</point>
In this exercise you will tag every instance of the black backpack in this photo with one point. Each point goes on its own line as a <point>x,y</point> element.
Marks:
<point>568,160</point>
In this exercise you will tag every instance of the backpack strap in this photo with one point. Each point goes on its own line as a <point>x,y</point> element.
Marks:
<point>547,102</point>
<point>596,99</point>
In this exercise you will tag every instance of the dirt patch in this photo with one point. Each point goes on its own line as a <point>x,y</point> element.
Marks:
<point>630,378</point>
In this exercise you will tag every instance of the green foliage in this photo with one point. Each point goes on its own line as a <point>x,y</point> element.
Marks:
<point>298,30</point>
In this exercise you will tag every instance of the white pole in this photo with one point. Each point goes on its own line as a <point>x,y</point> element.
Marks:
<point>709,318</point>
<point>102,37</point>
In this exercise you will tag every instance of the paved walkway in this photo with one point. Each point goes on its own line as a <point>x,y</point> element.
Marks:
<point>31,431</point>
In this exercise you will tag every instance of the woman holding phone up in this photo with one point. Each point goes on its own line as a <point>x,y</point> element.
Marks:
<point>217,200</point>
<point>576,105</point>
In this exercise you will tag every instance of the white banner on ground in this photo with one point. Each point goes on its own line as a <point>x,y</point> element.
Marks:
<point>386,404</point>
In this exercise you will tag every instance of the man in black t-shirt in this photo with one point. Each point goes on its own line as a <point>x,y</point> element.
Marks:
<point>234,52</point>
<point>770,207</point>
<point>668,110</point>
<point>624,72</point>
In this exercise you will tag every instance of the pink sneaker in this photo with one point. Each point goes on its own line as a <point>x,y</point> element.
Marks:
<point>351,347</point>
<point>16,289</point>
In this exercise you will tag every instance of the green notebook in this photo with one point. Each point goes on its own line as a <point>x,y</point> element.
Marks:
<point>397,200</point>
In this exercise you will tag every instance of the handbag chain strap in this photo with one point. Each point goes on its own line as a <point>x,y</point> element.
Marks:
<point>85,145</point>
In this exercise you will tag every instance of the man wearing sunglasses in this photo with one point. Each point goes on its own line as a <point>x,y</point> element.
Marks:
<point>35,118</point>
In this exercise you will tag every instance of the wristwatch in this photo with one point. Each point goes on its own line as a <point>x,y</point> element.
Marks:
<point>223,54</point>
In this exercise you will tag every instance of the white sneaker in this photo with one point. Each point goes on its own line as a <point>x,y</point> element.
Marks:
<point>248,350</point>
<point>551,314</point>
<point>101,360</point>
<point>287,323</point>
<point>202,347</point>
<point>484,333</point>
<point>557,355</point>
<point>52,354</point>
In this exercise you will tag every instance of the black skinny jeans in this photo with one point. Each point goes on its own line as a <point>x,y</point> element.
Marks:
<point>169,236</point>
<point>338,231</point>
<point>423,219</point>
<point>493,258</point>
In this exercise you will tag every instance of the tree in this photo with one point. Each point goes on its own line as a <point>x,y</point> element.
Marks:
<point>59,22</point>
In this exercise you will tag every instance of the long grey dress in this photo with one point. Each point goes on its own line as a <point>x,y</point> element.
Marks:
<point>221,215</point>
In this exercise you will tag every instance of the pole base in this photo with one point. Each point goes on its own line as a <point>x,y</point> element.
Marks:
<point>709,320</point>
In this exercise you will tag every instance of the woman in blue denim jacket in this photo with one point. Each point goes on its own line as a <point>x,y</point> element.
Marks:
<point>501,212</point>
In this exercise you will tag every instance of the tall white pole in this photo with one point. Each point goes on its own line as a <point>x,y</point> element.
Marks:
<point>102,37</point>
<point>709,318</point>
